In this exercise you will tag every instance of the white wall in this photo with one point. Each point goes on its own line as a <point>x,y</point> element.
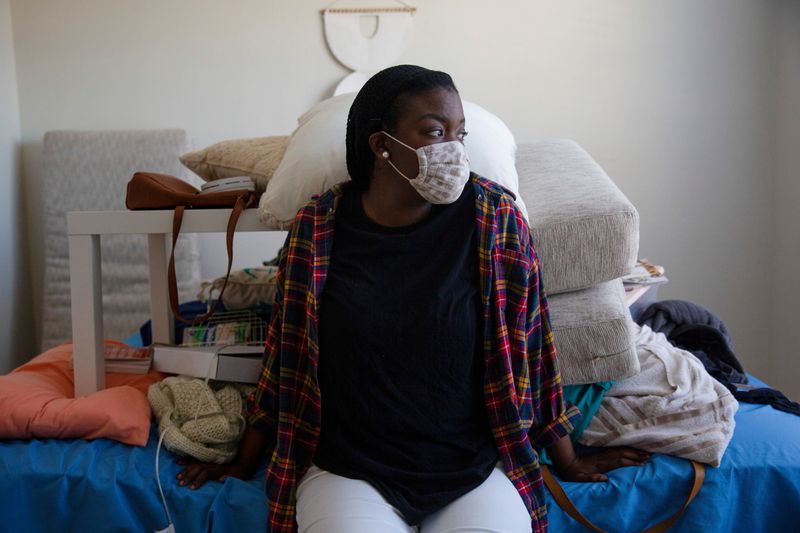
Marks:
<point>786,257</point>
<point>11,345</point>
<point>675,99</point>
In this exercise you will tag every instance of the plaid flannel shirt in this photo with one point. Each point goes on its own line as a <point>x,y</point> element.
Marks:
<point>522,384</point>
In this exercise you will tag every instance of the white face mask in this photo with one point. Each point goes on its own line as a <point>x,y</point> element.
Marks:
<point>443,170</point>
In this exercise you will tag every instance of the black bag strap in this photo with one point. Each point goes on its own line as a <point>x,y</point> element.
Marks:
<point>698,474</point>
<point>242,202</point>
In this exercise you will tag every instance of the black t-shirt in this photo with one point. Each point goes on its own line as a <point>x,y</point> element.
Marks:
<point>401,364</point>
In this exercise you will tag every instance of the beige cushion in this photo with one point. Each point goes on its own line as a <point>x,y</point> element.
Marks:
<point>246,288</point>
<point>257,158</point>
<point>593,332</point>
<point>586,230</point>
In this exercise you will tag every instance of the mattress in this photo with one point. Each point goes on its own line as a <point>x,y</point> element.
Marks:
<point>102,485</point>
<point>88,171</point>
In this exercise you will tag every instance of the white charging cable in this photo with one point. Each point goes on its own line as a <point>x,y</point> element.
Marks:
<point>170,526</point>
<point>211,366</point>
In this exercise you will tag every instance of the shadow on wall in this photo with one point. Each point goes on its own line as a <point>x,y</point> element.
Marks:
<point>21,342</point>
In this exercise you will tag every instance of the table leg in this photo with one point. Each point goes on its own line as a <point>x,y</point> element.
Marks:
<point>162,323</point>
<point>86,292</point>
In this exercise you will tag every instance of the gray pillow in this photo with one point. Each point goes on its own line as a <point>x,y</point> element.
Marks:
<point>585,230</point>
<point>593,333</point>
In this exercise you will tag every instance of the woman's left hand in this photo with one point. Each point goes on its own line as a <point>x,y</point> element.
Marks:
<point>593,467</point>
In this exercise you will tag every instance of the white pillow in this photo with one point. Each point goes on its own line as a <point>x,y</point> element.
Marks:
<point>315,159</point>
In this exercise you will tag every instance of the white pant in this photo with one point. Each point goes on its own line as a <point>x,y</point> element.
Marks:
<point>327,503</point>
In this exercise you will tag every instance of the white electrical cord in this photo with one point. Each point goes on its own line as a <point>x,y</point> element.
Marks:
<point>211,367</point>
<point>170,526</point>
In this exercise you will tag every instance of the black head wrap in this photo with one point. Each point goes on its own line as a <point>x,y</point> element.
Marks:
<point>377,106</point>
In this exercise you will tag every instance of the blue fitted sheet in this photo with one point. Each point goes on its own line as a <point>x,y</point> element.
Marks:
<point>756,488</point>
<point>102,485</point>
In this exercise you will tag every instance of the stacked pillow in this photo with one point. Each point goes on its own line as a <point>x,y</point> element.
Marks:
<point>315,158</point>
<point>587,237</point>
<point>289,171</point>
<point>585,229</point>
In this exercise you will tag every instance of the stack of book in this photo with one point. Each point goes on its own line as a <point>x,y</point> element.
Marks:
<point>644,273</point>
<point>128,359</point>
<point>240,363</point>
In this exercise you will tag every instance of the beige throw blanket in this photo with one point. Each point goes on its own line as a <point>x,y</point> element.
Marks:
<point>672,406</point>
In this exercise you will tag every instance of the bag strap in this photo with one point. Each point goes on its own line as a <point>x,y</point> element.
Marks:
<point>563,500</point>
<point>698,475</point>
<point>242,202</point>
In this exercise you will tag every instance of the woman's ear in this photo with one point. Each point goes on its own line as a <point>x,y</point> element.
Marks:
<point>377,143</point>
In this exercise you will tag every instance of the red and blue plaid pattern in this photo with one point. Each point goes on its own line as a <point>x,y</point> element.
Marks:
<point>522,385</point>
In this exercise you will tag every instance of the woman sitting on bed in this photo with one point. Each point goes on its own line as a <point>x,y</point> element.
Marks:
<point>410,372</point>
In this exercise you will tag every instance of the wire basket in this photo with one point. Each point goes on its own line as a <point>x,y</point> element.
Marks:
<point>226,328</point>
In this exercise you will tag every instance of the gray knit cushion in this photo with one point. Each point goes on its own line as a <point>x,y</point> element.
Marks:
<point>586,231</point>
<point>593,333</point>
<point>89,171</point>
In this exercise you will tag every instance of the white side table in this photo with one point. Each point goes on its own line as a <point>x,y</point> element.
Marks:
<point>639,298</point>
<point>634,295</point>
<point>84,230</point>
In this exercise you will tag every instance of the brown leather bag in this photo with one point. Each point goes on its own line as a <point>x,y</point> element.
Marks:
<point>150,190</point>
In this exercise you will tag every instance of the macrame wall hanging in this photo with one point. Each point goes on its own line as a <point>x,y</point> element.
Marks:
<point>366,54</point>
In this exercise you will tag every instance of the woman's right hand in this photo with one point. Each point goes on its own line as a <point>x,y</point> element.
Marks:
<point>251,451</point>
<point>196,473</point>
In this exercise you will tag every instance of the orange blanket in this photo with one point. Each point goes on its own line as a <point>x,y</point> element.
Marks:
<point>37,401</point>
